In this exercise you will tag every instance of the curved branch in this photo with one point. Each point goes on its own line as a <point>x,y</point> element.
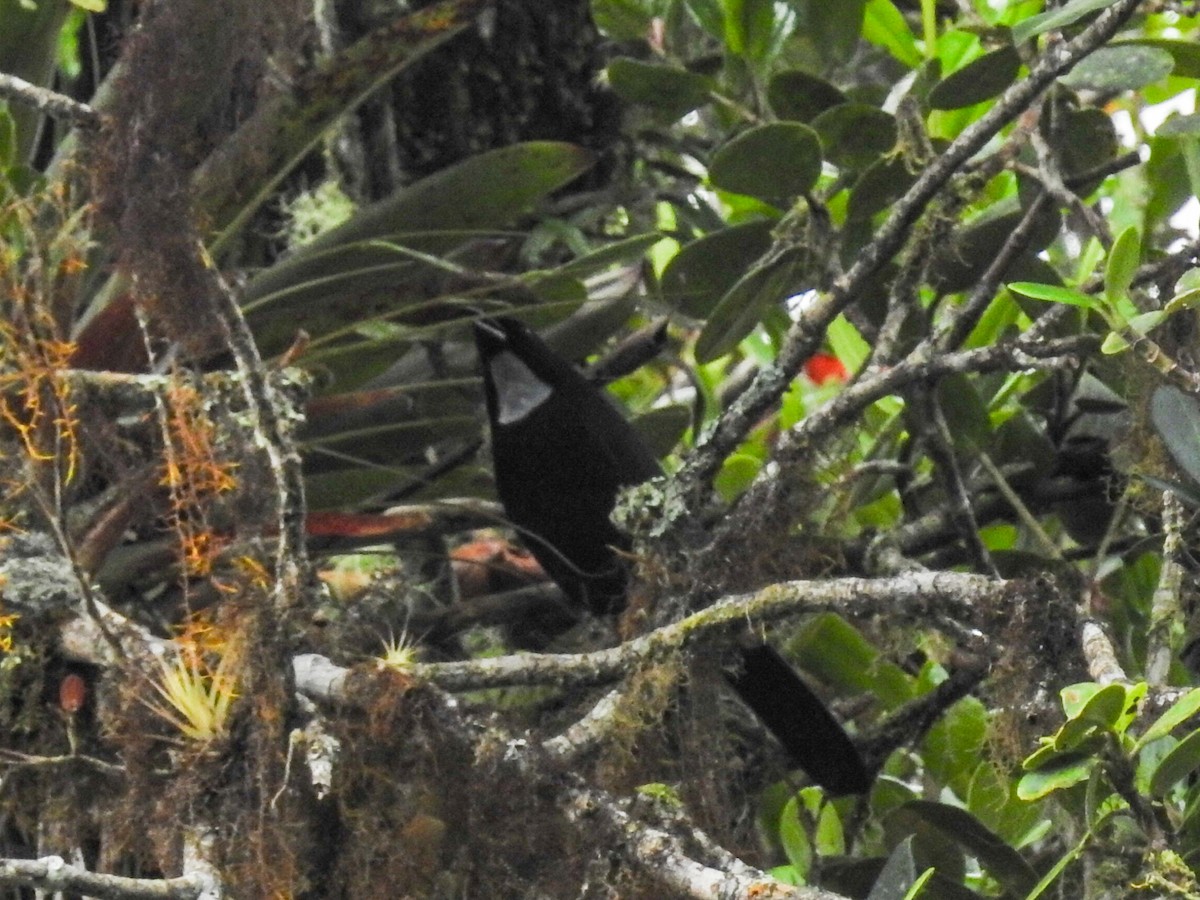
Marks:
<point>909,596</point>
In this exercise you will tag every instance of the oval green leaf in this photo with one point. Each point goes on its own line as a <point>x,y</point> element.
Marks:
<point>1065,773</point>
<point>1106,706</point>
<point>959,262</point>
<point>1122,263</point>
<point>1085,140</point>
<point>881,184</point>
<point>741,309</point>
<point>1176,417</point>
<point>1181,710</point>
<point>1181,761</point>
<point>855,135</point>
<point>662,427</point>
<point>965,412</point>
<point>775,162</point>
<point>1117,69</point>
<point>700,274</point>
<point>800,96</point>
<point>673,91</point>
<point>979,80</point>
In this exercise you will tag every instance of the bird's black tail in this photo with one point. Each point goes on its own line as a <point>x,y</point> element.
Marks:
<point>811,736</point>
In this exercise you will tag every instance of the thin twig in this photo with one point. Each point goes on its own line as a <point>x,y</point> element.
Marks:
<point>1166,626</point>
<point>51,103</point>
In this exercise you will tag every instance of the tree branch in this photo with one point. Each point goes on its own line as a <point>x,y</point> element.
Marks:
<point>53,874</point>
<point>653,851</point>
<point>919,596</point>
<point>693,484</point>
<point>44,100</point>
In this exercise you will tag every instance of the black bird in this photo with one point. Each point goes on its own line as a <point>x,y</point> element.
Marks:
<point>562,451</point>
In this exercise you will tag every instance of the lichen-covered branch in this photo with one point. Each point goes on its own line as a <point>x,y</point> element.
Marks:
<point>53,874</point>
<point>655,852</point>
<point>913,596</point>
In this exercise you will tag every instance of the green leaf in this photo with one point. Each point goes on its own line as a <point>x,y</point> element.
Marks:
<point>1178,126</point>
<point>429,216</point>
<point>855,135</point>
<point>673,91</point>
<point>836,652</point>
<point>800,96</point>
<point>623,20</point>
<point>1144,323</point>
<point>1085,139</point>
<point>881,184</point>
<point>1181,761</point>
<point>346,487</point>
<point>1056,18</point>
<point>982,79</point>
<point>1114,343</point>
<point>918,885</point>
<point>1176,417</point>
<point>1181,301</point>
<point>662,427</point>
<point>847,344</point>
<point>710,15</point>
<point>751,27</point>
<point>834,28</point>
<point>743,307</point>
<point>1064,773</point>
<point>1075,736</point>
<point>1188,493</point>
<point>1055,294</point>
<point>1004,863</point>
<point>701,273</point>
<point>1188,281</point>
<point>1116,69</point>
<point>736,475</point>
<point>960,262</point>
<point>965,412</point>
<point>1185,53</point>
<point>775,162</point>
<point>794,838</point>
<point>885,26</point>
<point>955,742</point>
<point>1074,697</point>
<point>1107,706</point>
<point>1181,710</point>
<point>625,250</point>
<point>1122,264</point>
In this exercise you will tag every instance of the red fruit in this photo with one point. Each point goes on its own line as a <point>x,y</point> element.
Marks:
<point>72,691</point>
<point>823,367</point>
